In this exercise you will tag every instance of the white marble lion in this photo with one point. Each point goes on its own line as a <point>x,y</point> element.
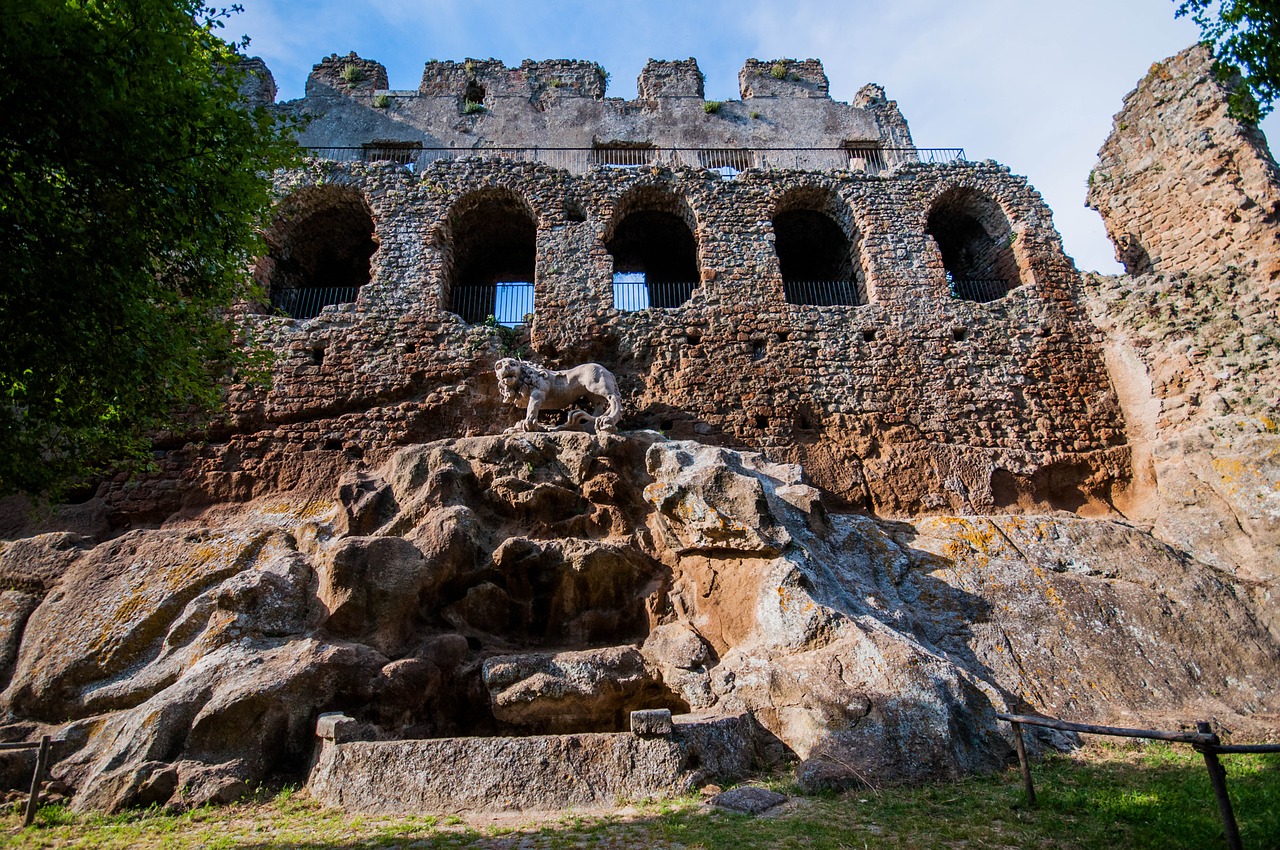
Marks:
<point>535,388</point>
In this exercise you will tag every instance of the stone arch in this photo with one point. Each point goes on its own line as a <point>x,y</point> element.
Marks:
<point>319,249</point>
<point>652,240</point>
<point>975,239</point>
<point>819,249</point>
<point>491,240</point>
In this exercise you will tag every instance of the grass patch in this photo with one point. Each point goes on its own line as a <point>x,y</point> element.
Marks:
<point>1150,796</point>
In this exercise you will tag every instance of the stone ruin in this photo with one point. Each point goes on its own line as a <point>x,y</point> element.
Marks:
<point>887,464</point>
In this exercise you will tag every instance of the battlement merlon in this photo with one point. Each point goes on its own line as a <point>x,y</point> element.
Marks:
<point>560,103</point>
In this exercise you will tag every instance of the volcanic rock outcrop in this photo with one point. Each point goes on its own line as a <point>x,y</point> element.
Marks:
<point>551,583</point>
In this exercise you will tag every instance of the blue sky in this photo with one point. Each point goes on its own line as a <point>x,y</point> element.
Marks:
<point>1029,83</point>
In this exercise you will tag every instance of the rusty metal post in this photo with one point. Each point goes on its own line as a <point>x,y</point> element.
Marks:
<point>1218,777</point>
<point>1024,763</point>
<point>42,765</point>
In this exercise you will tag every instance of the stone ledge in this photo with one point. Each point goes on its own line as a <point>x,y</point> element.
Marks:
<point>543,772</point>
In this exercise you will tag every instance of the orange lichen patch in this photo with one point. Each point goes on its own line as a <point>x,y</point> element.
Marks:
<point>151,592</point>
<point>308,510</point>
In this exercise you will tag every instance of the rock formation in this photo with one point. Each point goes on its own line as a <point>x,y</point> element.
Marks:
<point>552,583</point>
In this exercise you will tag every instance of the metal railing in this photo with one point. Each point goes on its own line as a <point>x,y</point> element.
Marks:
<point>978,289</point>
<point>824,293</point>
<point>629,296</point>
<point>508,303</point>
<point>870,159</point>
<point>307,303</point>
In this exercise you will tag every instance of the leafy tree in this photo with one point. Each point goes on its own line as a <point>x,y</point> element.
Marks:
<point>133,181</point>
<point>1245,37</point>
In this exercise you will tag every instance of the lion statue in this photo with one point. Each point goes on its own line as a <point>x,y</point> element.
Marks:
<point>535,387</point>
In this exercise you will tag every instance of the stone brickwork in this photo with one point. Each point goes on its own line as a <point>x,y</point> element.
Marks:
<point>348,75</point>
<point>670,79</point>
<point>1192,335</point>
<point>783,78</point>
<point>1181,185</point>
<point>915,402</point>
<point>562,104</point>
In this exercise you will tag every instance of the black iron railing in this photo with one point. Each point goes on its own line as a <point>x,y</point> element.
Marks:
<point>307,303</point>
<point>630,296</point>
<point>508,303</point>
<point>867,158</point>
<point>978,289</point>
<point>824,293</point>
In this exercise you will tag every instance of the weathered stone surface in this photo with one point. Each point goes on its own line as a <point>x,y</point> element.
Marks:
<point>370,588</point>
<point>748,800</point>
<point>651,722</point>
<point>1191,197</point>
<point>915,402</point>
<point>689,576</point>
<point>879,655</point>
<point>541,772</point>
<point>1181,185</point>
<point>571,690</point>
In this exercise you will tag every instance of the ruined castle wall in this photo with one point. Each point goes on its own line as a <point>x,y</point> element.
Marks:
<point>915,402</point>
<point>1181,185</point>
<point>1191,198</point>
<point>562,104</point>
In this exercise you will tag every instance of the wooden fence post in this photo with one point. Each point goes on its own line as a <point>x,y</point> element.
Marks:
<point>1218,777</point>
<point>1022,761</point>
<point>42,765</point>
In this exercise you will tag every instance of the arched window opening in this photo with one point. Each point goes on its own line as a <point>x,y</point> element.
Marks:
<point>976,243</point>
<point>318,251</point>
<point>655,256</point>
<point>817,258</point>
<point>494,254</point>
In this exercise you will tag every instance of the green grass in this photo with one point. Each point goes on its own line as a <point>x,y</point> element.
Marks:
<point>1152,796</point>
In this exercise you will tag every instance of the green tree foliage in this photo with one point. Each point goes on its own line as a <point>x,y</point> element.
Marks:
<point>133,182</point>
<point>1245,37</point>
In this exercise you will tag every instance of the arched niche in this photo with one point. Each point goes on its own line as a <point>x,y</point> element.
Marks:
<point>318,250</point>
<point>492,237</point>
<point>976,242</point>
<point>819,250</point>
<point>654,250</point>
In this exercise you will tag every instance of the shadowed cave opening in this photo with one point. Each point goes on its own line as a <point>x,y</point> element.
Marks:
<point>318,251</point>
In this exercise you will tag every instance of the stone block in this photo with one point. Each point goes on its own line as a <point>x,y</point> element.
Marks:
<point>651,723</point>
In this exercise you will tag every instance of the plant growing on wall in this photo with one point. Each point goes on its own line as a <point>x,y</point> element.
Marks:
<point>128,214</point>
<point>381,101</point>
<point>470,107</point>
<point>604,75</point>
<point>511,341</point>
<point>778,71</point>
<point>711,107</point>
<point>351,74</point>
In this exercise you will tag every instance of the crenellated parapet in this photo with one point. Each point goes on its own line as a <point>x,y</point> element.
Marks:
<point>783,78</point>
<point>258,87</point>
<point>478,80</point>
<point>561,104</point>
<point>671,78</point>
<point>348,75</point>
